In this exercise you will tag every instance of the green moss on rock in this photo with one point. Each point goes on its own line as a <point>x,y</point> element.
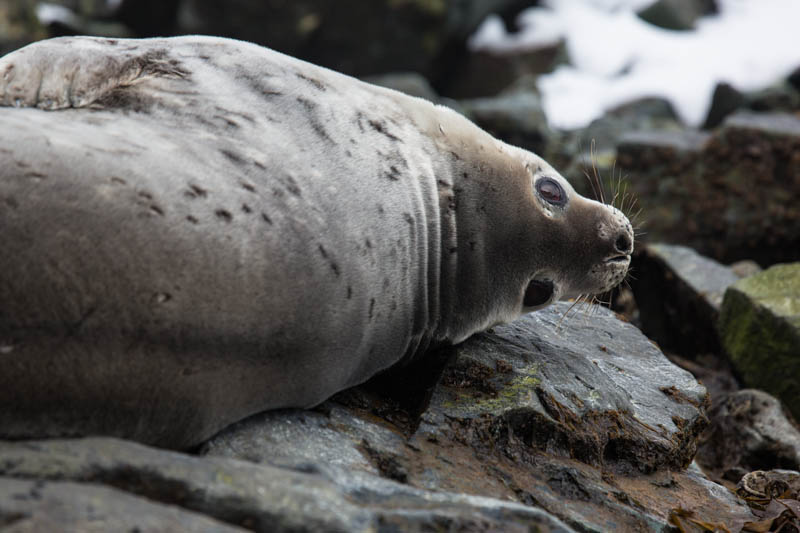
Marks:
<point>760,330</point>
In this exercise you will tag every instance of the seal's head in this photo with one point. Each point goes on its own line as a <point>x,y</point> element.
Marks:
<point>525,238</point>
<point>582,246</point>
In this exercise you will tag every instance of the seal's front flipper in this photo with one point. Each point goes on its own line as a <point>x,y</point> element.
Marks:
<point>77,71</point>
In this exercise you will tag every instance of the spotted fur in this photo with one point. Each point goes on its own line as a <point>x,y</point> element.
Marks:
<point>196,229</point>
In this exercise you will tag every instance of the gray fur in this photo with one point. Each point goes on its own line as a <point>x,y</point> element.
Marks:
<point>206,229</point>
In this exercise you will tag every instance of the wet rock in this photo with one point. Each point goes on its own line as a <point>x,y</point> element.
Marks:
<point>749,431</point>
<point>677,14</point>
<point>574,391</point>
<point>560,424</point>
<point>64,506</point>
<point>494,427</point>
<point>730,196</point>
<point>679,293</point>
<point>760,329</point>
<point>263,498</point>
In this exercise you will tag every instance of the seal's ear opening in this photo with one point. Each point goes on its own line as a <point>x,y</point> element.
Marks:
<point>539,292</point>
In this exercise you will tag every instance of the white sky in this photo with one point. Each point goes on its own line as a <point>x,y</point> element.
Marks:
<point>617,58</point>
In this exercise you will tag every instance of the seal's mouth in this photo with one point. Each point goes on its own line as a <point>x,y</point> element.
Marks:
<point>538,293</point>
<point>619,259</point>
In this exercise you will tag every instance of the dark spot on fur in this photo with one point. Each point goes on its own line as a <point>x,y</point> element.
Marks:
<point>368,243</point>
<point>349,292</point>
<point>195,191</point>
<point>455,156</point>
<point>204,57</point>
<point>453,250</point>
<point>266,219</point>
<point>259,165</point>
<point>12,203</point>
<point>118,181</point>
<point>380,209</point>
<point>316,125</point>
<point>472,245</point>
<point>223,215</point>
<point>371,307</point>
<point>234,158</point>
<point>380,127</point>
<point>246,208</point>
<point>334,266</point>
<point>442,184</point>
<point>112,42</point>
<point>408,218</point>
<point>247,187</point>
<point>466,176</point>
<point>348,153</point>
<point>307,104</point>
<point>393,174</point>
<point>291,186</point>
<point>191,219</point>
<point>146,195</point>
<point>359,121</point>
<point>316,83</point>
<point>157,210</point>
<point>229,122</point>
<point>35,175</point>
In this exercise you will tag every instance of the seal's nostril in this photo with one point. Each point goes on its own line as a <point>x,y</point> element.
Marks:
<point>623,244</point>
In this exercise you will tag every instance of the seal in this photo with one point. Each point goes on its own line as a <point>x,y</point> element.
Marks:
<point>197,229</point>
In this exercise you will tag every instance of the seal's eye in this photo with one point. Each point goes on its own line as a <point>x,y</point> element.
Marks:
<point>551,191</point>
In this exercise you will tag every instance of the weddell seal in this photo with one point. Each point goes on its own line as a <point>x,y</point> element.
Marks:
<point>196,229</point>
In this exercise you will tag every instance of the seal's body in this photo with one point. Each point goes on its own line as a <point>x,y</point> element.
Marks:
<point>197,229</point>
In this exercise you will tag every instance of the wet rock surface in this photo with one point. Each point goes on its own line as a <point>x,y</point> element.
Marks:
<point>66,506</point>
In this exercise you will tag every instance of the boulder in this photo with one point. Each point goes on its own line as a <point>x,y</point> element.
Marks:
<point>760,331</point>
<point>679,293</point>
<point>750,430</point>
<point>730,195</point>
<point>580,416</point>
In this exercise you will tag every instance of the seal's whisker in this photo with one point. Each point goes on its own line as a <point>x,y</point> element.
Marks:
<point>589,178</point>
<point>636,215</point>
<point>566,313</point>
<point>595,172</point>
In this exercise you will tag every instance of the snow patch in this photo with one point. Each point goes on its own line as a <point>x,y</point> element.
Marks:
<point>617,57</point>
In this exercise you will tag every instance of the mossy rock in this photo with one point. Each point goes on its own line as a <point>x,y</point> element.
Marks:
<point>760,330</point>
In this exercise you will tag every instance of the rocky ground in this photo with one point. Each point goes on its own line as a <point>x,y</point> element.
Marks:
<point>570,419</point>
